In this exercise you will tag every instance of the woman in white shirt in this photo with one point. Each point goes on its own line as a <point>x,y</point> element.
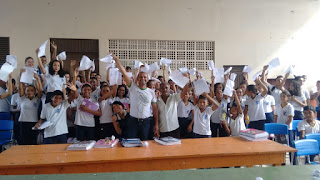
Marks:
<point>298,100</point>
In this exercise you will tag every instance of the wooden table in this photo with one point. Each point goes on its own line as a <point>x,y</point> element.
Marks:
<point>192,153</point>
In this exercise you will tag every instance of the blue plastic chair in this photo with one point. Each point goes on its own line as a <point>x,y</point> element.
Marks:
<point>295,129</point>
<point>306,147</point>
<point>315,136</point>
<point>6,131</point>
<point>278,129</point>
<point>5,116</point>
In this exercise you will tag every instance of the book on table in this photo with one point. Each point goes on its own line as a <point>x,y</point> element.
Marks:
<point>167,141</point>
<point>254,133</point>
<point>106,143</point>
<point>131,142</point>
<point>254,139</point>
<point>81,145</point>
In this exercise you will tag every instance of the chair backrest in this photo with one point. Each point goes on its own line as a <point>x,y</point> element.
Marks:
<point>295,124</point>
<point>315,136</point>
<point>306,147</point>
<point>5,116</point>
<point>6,129</point>
<point>276,128</point>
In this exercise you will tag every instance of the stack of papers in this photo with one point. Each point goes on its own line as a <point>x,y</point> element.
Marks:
<point>254,135</point>
<point>131,142</point>
<point>81,145</point>
<point>102,143</point>
<point>168,141</point>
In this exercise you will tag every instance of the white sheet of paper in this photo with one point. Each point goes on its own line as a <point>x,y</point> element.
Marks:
<point>44,125</point>
<point>228,70</point>
<point>153,67</point>
<point>178,78</point>
<point>85,63</point>
<point>109,65</point>
<point>218,75</point>
<point>27,76</point>
<point>107,59</point>
<point>12,59</point>
<point>5,70</point>
<point>183,70</point>
<point>257,74</point>
<point>137,64</point>
<point>233,76</point>
<point>115,77</point>
<point>289,70</point>
<point>62,56</point>
<point>200,86</point>
<point>155,79</point>
<point>42,49</point>
<point>145,68</point>
<point>274,63</point>
<point>169,69</point>
<point>247,69</point>
<point>93,65</point>
<point>165,61</point>
<point>130,74</point>
<point>193,71</point>
<point>211,65</point>
<point>228,90</point>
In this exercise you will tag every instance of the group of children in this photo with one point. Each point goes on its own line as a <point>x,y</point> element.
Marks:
<point>84,107</point>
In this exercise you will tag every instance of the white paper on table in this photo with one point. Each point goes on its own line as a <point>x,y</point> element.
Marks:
<point>137,64</point>
<point>233,76</point>
<point>107,59</point>
<point>145,68</point>
<point>228,90</point>
<point>200,86</point>
<point>153,67</point>
<point>247,69</point>
<point>193,71</point>
<point>62,56</point>
<point>5,70</point>
<point>42,49</point>
<point>178,78</point>
<point>85,63</point>
<point>12,60</point>
<point>211,65</point>
<point>27,76</point>
<point>165,61</point>
<point>228,70</point>
<point>256,75</point>
<point>115,77</point>
<point>290,70</point>
<point>183,70</point>
<point>93,65</point>
<point>274,63</point>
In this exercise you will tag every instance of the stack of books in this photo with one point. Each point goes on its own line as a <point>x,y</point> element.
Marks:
<point>131,142</point>
<point>106,143</point>
<point>167,141</point>
<point>254,135</point>
<point>81,145</point>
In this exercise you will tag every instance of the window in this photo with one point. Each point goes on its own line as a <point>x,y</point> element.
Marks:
<point>183,53</point>
<point>4,49</point>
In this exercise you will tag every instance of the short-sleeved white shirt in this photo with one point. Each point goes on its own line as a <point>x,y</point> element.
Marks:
<point>184,110</point>
<point>57,116</point>
<point>305,126</point>
<point>255,108</point>
<point>268,102</point>
<point>168,116</point>
<point>29,109</point>
<point>276,94</point>
<point>4,103</point>
<point>236,125</point>
<point>54,82</point>
<point>106,110</point>
<point>223,107</point>
<point>140,101</point>
<point>283,114</point>
<point>16,101</point>
<point>305,92</point>
<point>201,123</point>
<point>95,94</point>
<point>84,118</point>
<point>125,101</point>
<point>297,106</point>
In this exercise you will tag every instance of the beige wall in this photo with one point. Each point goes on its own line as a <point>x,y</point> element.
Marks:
<point>245,31</point>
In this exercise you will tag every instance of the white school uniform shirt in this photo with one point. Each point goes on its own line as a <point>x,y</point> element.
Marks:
<point>29,109</point>
<point>223,107</point>
<point>305,126</point>
<point>283,114</point>
<point>168,115</point>
<point>106,109</point>
<point>125,101</point>
<point>268,102</point>
<point>140,101</point>
<point>236,125</point>
<point>84,118</point>
<point>276,94</point>
<point>295,105</point>
<point>255,108</point>
<point>16,101</point>
<point>201,124</point>
<point>57,116</point>
<point>4,103</point>
<point>305,92</point>
<point>184,110</point>
<point>95,94</point>
<point>54,82</point>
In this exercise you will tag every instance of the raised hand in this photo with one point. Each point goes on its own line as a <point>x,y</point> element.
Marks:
<point>53,45</point>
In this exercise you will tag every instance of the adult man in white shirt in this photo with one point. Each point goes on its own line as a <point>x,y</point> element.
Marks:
<point>141,99</point>
<point>168,107</point>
